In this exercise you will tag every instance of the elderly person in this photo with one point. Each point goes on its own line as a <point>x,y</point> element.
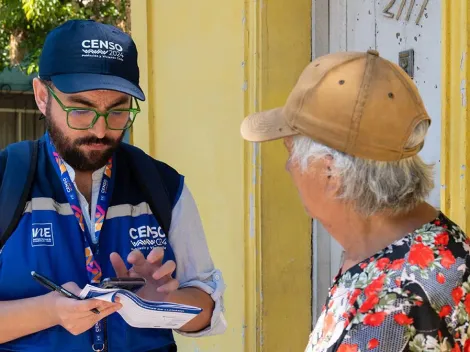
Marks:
<point>353,127</point>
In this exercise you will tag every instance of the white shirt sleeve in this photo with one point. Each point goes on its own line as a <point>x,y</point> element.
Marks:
<point>194,266</point>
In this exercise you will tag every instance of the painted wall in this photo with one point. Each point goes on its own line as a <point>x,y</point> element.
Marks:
<point>455,190</point>
<point>195,103</point>
<point>204,66</point>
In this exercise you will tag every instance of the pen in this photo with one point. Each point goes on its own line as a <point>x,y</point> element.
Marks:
<point>53,287</point>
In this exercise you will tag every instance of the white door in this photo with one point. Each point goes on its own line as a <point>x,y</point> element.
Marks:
<point>390,27</point>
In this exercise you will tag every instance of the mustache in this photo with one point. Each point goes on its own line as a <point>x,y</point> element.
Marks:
<point>94,140</point>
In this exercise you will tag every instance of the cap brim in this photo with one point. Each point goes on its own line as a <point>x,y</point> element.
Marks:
<point>82,82</point>
<point>266,126</point>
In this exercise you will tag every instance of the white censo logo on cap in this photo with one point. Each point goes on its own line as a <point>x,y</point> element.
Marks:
<point>102,49</point>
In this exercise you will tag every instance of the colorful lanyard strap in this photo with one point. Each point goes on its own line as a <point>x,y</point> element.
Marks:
<point>92,266</point>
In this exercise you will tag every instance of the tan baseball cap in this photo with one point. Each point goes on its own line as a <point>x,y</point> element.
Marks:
<point>354,102</point>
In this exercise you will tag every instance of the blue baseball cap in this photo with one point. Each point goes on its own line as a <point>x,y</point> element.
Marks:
<point>83,55</point>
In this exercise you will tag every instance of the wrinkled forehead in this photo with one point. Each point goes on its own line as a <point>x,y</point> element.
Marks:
<point>100,99</point>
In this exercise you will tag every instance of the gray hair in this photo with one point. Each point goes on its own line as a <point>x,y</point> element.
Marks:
<point>374,186</point>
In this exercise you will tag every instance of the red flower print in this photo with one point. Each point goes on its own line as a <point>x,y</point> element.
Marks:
<point>382,263</point>
<point>437,222</point>
<point>369,303</point>
<point>456,348</point>
<point>467,303</point>
<point>448,258</point>
<point>403,319</point>
<point>419,239</point>
<point>347,348</point>
<point>440,278</point>
<point>374,319</point>
<point>328,324</point>
<point>363,265</point>
<point>457,294</point>
<point>373,343</point>
<point>398,282</point>
<point>442,239</point>
<point>466,348</point>
<point>397,264</point>
<point>445,311</point>
<point>375,286</point>
<point>353,298</point>
<point>421,255</point>
<point>419,303</point>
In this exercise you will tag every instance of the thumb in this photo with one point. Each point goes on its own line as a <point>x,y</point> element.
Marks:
<point>72,287</point>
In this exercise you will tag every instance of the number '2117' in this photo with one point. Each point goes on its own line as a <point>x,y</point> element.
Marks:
<point>389,14</point>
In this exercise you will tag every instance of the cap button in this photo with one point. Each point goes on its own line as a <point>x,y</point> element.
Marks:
<point>373,52</point>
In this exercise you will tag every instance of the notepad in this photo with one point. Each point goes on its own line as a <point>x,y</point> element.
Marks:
<point>141,313</point>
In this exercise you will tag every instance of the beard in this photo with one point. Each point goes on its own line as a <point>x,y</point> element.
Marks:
<point>72,155</point>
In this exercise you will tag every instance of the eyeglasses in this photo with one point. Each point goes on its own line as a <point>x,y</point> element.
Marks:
<point>81,118</point>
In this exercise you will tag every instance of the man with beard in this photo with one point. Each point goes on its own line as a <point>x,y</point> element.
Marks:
<point>93,218</point>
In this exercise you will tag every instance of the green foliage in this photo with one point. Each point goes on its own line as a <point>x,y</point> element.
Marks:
<point>25,23</point>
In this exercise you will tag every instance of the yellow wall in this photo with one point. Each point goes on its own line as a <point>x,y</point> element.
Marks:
<point>204,66</point>
<point>455,189</point>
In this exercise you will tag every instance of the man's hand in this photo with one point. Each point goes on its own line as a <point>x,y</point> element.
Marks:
<point>74,315</point>
<point>159,282</point>
<point>161,286</point>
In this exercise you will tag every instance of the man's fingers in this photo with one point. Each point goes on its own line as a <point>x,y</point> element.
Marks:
<point>166,269</point>
<point>156,256</point>
<point>170,286</point>
<point>118,265</point>
<point>94,318</point>
<point>107,311</point>
<point>89,304</point>
<point>137,259</point>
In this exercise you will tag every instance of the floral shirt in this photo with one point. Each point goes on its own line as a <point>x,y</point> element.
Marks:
<point>412,296</point>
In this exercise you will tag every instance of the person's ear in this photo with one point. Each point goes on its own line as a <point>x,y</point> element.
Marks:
<point>328,165</point>
<point>41,95</point>
<point>332,179</point>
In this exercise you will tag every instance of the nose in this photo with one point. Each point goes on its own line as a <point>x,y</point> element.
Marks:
<point>99,129</point>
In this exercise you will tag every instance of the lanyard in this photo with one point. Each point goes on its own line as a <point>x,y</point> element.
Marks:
<point>92,266</point>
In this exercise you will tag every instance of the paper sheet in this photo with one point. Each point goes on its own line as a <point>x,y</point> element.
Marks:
<point>141,313</point>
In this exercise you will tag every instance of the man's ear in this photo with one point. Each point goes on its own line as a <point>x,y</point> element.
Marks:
<point>41,95</point>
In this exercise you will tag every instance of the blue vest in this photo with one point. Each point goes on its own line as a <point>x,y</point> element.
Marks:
<point>48,240</point>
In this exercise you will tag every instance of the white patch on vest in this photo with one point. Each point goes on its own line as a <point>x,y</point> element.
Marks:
<point>42,235</point>
<point>147,237</point>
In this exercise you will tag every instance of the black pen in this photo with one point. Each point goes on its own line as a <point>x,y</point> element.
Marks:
<point>53,287</point>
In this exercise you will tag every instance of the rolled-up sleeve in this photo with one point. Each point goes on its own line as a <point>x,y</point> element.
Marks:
<point>194,265</point>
